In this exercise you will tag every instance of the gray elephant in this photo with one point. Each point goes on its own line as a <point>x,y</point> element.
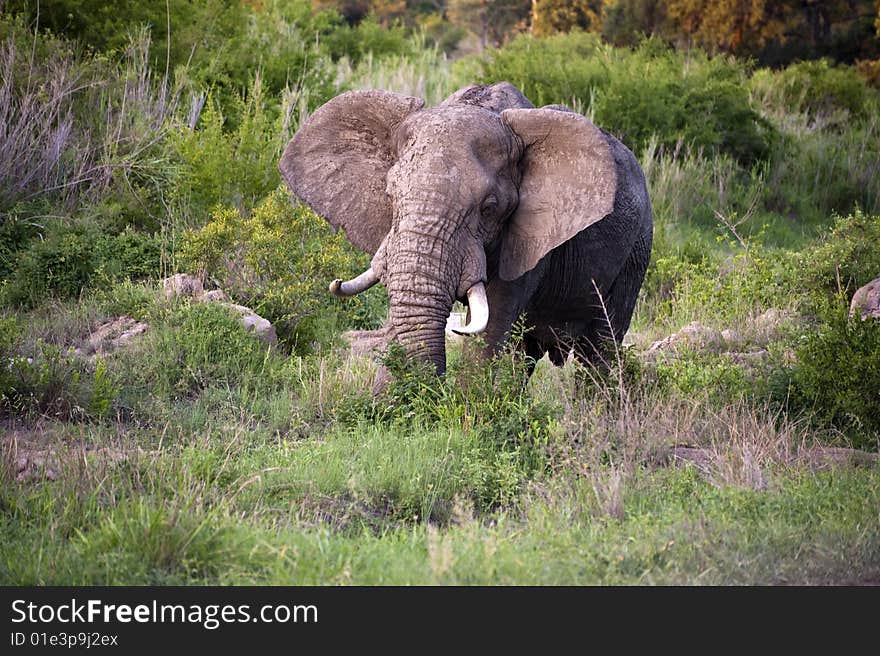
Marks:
<point>487,200</point>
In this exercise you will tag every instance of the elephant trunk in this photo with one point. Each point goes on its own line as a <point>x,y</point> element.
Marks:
<point>423,275</point>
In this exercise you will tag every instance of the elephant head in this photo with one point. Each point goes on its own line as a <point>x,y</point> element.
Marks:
<point>446,199</point>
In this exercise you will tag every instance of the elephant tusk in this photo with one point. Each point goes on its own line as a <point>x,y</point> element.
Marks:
<point>363,282</point>
<point>479,311</point>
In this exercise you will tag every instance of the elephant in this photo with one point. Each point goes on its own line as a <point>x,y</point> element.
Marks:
<point>511,209</point>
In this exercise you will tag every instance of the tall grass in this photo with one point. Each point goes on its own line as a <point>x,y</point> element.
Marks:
<point>427,74</point>
<point>69,127</point>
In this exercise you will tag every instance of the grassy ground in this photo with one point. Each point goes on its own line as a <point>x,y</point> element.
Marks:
<point>242,488</point>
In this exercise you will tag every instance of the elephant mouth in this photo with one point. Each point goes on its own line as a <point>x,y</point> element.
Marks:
<point>476,296</point>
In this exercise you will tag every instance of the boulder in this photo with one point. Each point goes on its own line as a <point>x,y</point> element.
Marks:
<point>183,285</point>
<point>111,335</point>
<point>731,337</point>
<point>694,335</point>
<point>254,323</point>
<point>215,296</point>
<point>866,301</point>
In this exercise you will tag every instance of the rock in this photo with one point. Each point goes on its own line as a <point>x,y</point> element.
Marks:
<point>731,337</point>
<point>770,320</point>
<point>215,296</point>
<point>694,335</point>
<point>254,323</point>
<point>866,301</point>
<point>183,285</point>
<point>110,336</point>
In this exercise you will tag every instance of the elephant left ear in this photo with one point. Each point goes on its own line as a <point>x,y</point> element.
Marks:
<point>569,181</point>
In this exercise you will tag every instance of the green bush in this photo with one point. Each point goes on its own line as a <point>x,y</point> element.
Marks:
<point>130,255</point>
<point>720,290</point>
<point>367,38</point>
<point>836,373</point>
<point>818,89</point>
<point>491,400</point>
<point>651,91</point>
<point>844,259</point>
<point>279,261</point>
<point>219,166</point>
<point>60,265</point>
<point>69,259</point>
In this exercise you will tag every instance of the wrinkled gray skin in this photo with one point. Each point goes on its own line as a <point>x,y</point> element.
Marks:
<point>539,204</point>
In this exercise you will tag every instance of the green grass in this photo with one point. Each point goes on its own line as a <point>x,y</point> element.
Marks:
<point>199,514</point>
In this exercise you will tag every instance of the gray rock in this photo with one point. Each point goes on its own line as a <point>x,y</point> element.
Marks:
<point>215,296</point>
<point>183,285</point>
<point>694,335</point>
<point>866,301</point>
<point>254,323</point>
<point>110,336</point>
<point>731,337</point>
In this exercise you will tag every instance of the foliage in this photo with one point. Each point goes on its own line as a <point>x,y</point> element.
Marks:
<point>221,166</point>
<point>554,16</point>
<point>776,31</point>
<point>819,89</point>
<point>834,377</point>
<point>637,95</point>
<point>510,428</point>
<point>196,346</point>
<point>844,259</point>
<point>278,261</point>
<point>492,21</point>
<point>69,259</point>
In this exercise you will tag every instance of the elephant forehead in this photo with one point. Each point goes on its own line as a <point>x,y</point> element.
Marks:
<point>459,136</point>
<point>458,127</point>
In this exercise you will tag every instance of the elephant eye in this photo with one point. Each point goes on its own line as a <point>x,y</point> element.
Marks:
<point>489,204</point>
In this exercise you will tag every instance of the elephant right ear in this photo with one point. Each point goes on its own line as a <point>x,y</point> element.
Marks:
<point>338,160</point>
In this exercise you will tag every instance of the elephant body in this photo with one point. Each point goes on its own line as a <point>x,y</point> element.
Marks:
<point>487,200</point>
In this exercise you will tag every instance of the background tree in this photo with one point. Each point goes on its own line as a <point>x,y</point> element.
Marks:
<point>628,21</point>
<point>551,16</point>
<point>491,21</point>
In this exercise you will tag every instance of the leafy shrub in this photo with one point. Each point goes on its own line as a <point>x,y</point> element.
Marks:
<point>652,91</point>
<point>817,88</point>
<point>721,290</point>
<point>368,37</point>
<point>71,258</point>
<point>279,261</point>
<point>226,167</point>
<point>285,41</point>
<point>836,373</point>
<point>693,374</point>
<point>489,399</point>
<point>130,255</point>
<point>61,265</point>
<point>846,258</point>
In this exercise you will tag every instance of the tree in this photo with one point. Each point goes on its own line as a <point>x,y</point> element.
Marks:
<point>627,21</point>
<point>492,21</point>
<point>777,31</point>
<point>551,16</point>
